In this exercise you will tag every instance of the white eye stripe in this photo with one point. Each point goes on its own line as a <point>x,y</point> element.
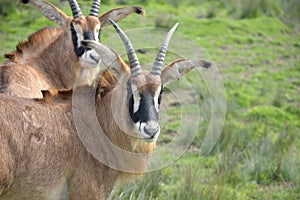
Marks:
<point>79,34</point>
<point>97,36</point>
<point>157,93</point>
<point>156,104</point>
<point>136,102</point>
<point>136,98</point>
<point>80,38</point>
<point>97,32</point>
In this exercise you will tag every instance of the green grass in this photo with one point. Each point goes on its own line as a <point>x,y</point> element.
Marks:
<point>258,153</point>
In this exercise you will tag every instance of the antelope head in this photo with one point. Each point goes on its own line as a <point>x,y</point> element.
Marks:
<point>143,88</point>
<point>81,27</point>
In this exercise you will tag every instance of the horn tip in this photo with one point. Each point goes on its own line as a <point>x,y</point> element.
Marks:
<point>175,26</point>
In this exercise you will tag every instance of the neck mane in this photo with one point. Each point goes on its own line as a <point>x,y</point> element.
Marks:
<point>50,52</point>
<point>36,43</point>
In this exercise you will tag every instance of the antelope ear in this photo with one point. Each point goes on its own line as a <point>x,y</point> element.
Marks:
<point>118,14</point>
<point>109,58</point>
<point>50,11</point>
<point>179,68</point>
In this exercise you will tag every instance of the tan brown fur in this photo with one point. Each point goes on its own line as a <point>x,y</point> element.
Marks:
<point>106,83</point>
<point>47,60</point>
<point>35,66</point>
<point>147,82</point>
<point>36,43</point>
<point>41,156</point>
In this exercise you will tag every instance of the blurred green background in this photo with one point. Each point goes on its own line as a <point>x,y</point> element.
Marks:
<point>256,45</point>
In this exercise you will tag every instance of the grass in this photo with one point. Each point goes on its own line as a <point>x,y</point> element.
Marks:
<point>258,153</point>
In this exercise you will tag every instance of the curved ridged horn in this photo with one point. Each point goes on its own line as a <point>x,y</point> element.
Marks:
<point>95,8</point>
<point>160,58</point>
<point>75,8</point>
<point>135,66</point>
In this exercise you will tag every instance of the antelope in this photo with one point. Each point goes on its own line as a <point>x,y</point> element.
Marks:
<point>41,155</point>
<point>53,57</point>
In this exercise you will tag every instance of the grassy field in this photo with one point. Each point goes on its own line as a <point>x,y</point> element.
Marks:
<point>258,153</point>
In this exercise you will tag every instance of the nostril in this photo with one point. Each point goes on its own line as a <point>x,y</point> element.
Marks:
<point>151,130</point>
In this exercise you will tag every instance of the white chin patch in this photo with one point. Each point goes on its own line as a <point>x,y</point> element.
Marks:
<point>140,127</point>
<point>90,67</point>
<point>89,59</point>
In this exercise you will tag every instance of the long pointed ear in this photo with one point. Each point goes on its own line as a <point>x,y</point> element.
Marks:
<point>109,58</point>
<point>50,11</point>
<point>118,14</point>
<point>179,68</point>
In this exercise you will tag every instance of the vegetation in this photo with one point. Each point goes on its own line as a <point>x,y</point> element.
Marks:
<point>256,46</point>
